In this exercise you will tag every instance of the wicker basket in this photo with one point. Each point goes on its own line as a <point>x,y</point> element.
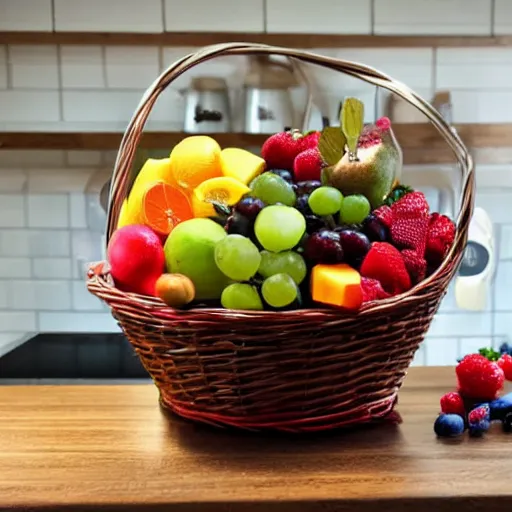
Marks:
<point>297,371</point>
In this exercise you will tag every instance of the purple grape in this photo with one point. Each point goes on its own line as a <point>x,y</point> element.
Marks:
<point>314,223</point>
<point>286,175</point>
<point>306,187</point>
<point>303,206</point>
<point>324,247</point>
<point>355,246</point>
<point>250,207</point>
<point>238,224</point>
<point>374,229</point>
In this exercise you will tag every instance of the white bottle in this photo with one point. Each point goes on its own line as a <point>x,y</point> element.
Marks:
<point>473,280</point>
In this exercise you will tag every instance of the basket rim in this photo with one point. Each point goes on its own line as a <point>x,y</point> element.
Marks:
<point>100,283</point>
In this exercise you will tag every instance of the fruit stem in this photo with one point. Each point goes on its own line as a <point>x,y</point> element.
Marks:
<point>329,219</point>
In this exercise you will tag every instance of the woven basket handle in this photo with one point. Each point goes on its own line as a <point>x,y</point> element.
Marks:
<point>134,130</point>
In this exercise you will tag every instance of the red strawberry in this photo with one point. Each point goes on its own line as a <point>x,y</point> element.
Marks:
<point>279,150</point>
<point>452,403</point>
<point>372,290</point>
<point>505,363</point>
<point>415,264</point>
<point>384,214</point>
<point>307,165</point>
<point>385,263</point>
<point>410,222</point>
<point>310,140</point>
<point>440,237</point>
<point>479,378</point>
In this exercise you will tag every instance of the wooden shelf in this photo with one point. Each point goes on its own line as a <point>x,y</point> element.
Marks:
<point>421,142</point>
<point>289,40</point>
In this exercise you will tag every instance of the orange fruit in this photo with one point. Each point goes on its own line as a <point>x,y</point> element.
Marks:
<point>175,290</point>
<point>224,190</point>
<point>194,160</point>
<point>164,207</point>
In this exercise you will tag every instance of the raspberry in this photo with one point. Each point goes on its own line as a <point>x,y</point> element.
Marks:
<point>479,420</point>
<point>452,403</point>
<point>505,363</point>
<point>479,378</point>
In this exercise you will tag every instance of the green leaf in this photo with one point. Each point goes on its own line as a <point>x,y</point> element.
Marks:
<point>332,144</point>
<point>490,354</point>
<point>352,121</point>
<point>325,175</point>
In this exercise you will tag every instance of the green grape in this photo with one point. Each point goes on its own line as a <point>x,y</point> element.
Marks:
<point>287,262</point>
<point>279,228</point>
<point>325,201</point>
<point>279,290</point>
<point>354,209</point>
<point>237,257</point>
<point>272,189</point>
<point>241,296</point>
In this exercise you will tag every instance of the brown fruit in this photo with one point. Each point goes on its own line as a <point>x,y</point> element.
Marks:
<point>175,290</point>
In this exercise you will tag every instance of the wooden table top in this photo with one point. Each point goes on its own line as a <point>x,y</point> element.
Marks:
<point>111,447</point>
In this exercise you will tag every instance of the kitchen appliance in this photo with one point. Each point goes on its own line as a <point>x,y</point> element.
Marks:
<point>267,101</point>
<point>476,271</point>
<point>207,108</point>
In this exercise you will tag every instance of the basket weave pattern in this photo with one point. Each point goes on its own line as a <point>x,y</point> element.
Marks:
<point>302,370</point>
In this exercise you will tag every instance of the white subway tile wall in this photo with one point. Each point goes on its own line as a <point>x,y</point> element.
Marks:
<point>51,223</point>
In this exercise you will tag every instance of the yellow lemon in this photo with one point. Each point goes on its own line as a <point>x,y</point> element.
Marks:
<point>224,190</point>
<point>194,160</point>
<point>240,164</point>
<point>124,216</point>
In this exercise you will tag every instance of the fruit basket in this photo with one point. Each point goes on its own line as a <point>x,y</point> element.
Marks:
<point>286,369</point>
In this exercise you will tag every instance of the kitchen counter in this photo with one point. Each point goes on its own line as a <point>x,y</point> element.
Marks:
<point>111,447</point>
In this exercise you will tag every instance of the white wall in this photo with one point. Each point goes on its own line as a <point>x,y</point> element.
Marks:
<point>50,220</point>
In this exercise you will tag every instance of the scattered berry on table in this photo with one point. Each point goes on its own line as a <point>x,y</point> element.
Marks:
<point>449,425</point>
<point>507,422</point>
<point>505,363</point>
<point>355,246</point>
<point>440,237</point>
<point>279,150</point>
<point>410,222</point>
<point>501,407</point>
<point>479,420</point>
<point>479,378</point>
<point>372,290</point>
<point>250,207</point>
<point>452,403</point>
<point>283,173</point>
<point>415,264</point>
<point>374,229</point>
<point>324,247</point>
<point>385,263</point>
<point>308,165</point>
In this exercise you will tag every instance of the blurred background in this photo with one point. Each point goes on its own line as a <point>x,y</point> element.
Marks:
<point>72,72</point>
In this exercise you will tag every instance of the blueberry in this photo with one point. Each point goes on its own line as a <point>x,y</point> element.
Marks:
<point>505,348</point>
<point>507,423</point>
<point>501,407</point>
<point>478,429</point>
<point>449,425</point>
